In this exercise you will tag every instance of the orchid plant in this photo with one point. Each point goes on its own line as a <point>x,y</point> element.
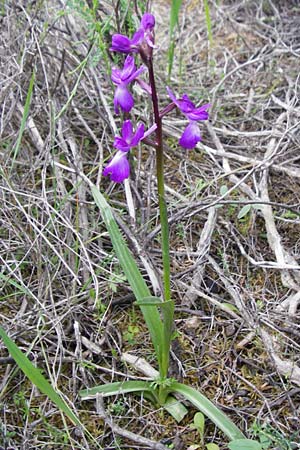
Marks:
<point>158,312</point>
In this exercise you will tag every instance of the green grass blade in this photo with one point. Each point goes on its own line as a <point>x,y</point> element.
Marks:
<point>24,120</point>
<point>16,285</point>
<point>208,409</point>
<point>208,22</point>
<point>36,377</point>
<point>132,273</point>
<point>175,8</point>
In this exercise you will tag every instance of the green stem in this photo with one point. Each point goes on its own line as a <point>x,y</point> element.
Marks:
<point>168,308</point>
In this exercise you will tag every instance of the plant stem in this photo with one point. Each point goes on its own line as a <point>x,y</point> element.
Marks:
<point>168,308</point>
<point>161,186</point>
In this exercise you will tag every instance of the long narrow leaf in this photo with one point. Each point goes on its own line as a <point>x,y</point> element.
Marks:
<point>116,388</point>
<point>175,7</point>
<point>24,119</point>
<point>132,273</point>
<point>209,409</point>
<point>16,285</point>
<point>36,377</point>
<point>208,22</point>
<point>172,405</point>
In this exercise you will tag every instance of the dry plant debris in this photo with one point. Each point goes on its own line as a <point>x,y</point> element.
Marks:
<point>234,217</point>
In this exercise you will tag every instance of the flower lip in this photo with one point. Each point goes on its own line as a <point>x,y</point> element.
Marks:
<point>118,168</point>
<point>123,99</point>
<point>191,136</point>
<point>122,77</point>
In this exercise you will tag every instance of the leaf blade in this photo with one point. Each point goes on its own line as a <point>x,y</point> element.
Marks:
<point>36,376</point>
<point>209,409</point>
<point>134,277</point>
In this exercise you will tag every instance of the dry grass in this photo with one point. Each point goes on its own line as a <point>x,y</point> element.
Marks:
<point>63,297</point>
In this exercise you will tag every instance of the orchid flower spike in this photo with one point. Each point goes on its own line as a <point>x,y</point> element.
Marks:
<point>191,135</point>
<point>118,168</point>
<point>123,98</point>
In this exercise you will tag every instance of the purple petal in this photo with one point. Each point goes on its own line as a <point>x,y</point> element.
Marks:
<point>136,40</point>
<point>123,99</point>
<point>145,86</point>
<point>138,135</point>
<point>120,43</point>
<point>171,95</point>
<point>116,75</point>
<point>129,67</point>
<point>185,104</point>
<point>150,41</point>
<point>121,144</point>
<point>118,168</point>
<point>148,21</point>
<point>190,136</point>
<point>127,131</point>
<point>199,113</point>
<point>150,131</point>
<point>135,74</point>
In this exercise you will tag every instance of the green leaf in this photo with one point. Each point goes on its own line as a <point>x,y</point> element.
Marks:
<point>212,446</point>
<point>244,211</point>
<point>223,190</point>
<point>258,206</point>
<point>199,422</point>
<point>175,408</point>
<point>175,8</point>
<point>116,388</point>
<point>230,306</point>
<point>167,310</point>
<point>133,275</point>
<point>36,377</point>
<point>18,286</point>
<point>24,119</point>
<point>125,387</point>
<point>172,405</point>
<point>150,301</point>
<point>244,444</point>
<point>209,409</point>
<point>208,22</point>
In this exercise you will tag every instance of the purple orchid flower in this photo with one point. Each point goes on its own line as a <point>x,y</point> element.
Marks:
<point>118,168</point>
<point>191,135</point>
<point>123,44</point>
<point>123,98</point>
<point>129,139</point>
